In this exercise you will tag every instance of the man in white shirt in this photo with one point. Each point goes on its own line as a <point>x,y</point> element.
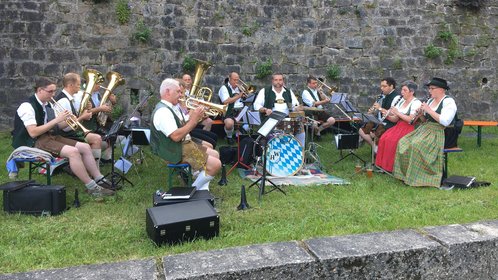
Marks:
<point>231,95</point>
<point>314,99</point>
<point>278,98</point>
<point>170,138</point>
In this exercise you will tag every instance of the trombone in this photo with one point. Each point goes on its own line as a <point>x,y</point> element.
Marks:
<point>322,84</point>
<point>247,90</point>
<point>71,120</point>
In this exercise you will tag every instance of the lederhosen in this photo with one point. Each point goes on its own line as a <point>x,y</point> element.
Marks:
<point>71,134</point>
<point>321,115</point>
<point>231,111</point>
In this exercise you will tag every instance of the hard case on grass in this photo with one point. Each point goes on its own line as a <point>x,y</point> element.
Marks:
<point>176,223</point>
<point>198,195</point>
<point>35,199</point>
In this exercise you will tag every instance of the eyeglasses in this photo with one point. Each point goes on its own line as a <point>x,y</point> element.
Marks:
<point>49,91</point>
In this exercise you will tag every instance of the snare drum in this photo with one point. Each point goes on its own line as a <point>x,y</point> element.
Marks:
<point>291,125</point>
<point>284,155</point>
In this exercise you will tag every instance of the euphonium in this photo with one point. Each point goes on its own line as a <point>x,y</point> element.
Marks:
<point>115,80</point>
<point>91,77</point>
<point>196,91</point>
<point>212,109</point>
<point>71,120</point>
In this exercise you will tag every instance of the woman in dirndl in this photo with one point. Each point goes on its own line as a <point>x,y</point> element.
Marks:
<point>401,114</point>
<point>419,155</point>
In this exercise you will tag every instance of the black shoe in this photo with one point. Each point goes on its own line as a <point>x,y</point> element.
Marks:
<point>318,137</point>
<point>230,141</point>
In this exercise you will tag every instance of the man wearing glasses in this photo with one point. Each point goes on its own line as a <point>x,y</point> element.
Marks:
<point>34,125</point>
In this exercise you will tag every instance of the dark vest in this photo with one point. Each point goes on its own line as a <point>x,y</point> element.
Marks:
<point>312,95</point>
<point>161,145</point>
<point>438,110</point>
<point>386,104</point>
<point>230,106</point>
<point>76,135</point>
<point>20,135</point>
<point>61,95</point>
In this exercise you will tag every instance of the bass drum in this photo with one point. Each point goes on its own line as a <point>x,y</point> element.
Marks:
<point>284,155</point>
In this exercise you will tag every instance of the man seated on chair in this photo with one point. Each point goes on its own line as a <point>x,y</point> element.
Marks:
<point>34,126</point>
<point>313,97</point>
<point>278,98</point>
<point>231,95</point>
<point>71,83</point>
<point>170,138</point>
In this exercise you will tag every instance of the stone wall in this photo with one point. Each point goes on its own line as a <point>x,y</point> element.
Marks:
<point>365,39</point>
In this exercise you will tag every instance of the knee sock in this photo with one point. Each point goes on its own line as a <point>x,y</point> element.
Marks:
<point>106,151</point>
<point>97,153</point>
<point>202,181</point>
<point>229,133</point>
<point>91,185</point>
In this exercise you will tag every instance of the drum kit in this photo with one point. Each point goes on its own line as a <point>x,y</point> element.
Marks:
<point>285,155</point>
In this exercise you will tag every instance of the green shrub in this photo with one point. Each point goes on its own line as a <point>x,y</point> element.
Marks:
<point>123,11</point>
<point>188,64</point>
<point>264,69</point>
<point>333,72</point>
<point>142,32</point>
<point>432,51</point>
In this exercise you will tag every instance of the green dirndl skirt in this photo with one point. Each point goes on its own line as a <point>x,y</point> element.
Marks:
<point>419,156</point>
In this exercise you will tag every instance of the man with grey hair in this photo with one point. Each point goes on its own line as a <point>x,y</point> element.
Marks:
<point>170,138</point>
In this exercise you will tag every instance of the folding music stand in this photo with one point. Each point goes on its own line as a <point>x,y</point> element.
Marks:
<point>135,136</point>
<point>347,142</point>
<point>115,177</point>
<point>266,129</point>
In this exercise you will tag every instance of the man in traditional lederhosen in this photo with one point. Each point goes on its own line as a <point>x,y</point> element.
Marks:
<point>278,98</point>
<point>231,95</point>
<point>34,126</point>
<point>71,83</point>
<point>312,98</point>
<point>170,138</point>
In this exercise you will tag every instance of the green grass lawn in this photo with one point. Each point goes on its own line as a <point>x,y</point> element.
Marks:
<point>114,229</point>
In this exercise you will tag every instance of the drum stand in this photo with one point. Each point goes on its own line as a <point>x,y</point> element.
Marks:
<point>262,180</point>
<point>310,152</point>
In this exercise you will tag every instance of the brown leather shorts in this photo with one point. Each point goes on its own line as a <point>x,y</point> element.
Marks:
<point>53,143</point>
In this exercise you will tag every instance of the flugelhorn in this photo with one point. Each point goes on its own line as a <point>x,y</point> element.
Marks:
<point>115,80</point>
<point>91,77</point>
<point>212,109</point>
<point>71,120</point>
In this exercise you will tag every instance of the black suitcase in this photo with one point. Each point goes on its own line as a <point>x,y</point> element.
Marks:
<point>198,195</point>
<point>176,223</point>
<point>35,199</point>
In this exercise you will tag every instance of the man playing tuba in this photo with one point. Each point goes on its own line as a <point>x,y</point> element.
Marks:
<point>170,138</point>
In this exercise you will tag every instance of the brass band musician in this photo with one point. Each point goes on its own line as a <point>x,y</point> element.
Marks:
<point>170,138</point>
<point>231,95</point>
<point>314,98</point>
<point>278,98</point>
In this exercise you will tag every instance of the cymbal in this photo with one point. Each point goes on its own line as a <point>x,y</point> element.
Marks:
<point>313,109</point>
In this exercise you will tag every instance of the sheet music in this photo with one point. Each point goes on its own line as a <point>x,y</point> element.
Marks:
<point>268,126</point>
<point>254,118</point>
<point>242,114</point>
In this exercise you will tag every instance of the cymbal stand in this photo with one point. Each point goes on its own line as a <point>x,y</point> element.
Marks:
<point>311,151</point>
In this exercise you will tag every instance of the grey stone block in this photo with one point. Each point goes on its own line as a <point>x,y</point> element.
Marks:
<point>286,260</point>
<point>472,249</point>
<point>132,270</point>
<point>387,255</point>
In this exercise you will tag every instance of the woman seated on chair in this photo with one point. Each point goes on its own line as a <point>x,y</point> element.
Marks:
<point>419,155</point>
<point>401,114</point>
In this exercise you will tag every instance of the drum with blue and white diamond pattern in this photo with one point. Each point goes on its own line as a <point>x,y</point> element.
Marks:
<point>284,156</point>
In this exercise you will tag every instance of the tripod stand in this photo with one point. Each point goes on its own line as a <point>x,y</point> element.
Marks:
<point>115,177</point>
<point>262,180</point>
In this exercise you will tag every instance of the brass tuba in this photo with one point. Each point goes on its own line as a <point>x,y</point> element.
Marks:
<point>115,80</point>
<point>197,92</point>
<point>91,77</point>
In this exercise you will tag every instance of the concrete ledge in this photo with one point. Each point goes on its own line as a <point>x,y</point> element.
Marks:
<point>445,252</point>
<point>286,260</point>
<point>129,270</point>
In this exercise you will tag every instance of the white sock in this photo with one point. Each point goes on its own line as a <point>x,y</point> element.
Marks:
<point>91,185</point>
<point>202,179</point>
<point>97,153</point>
<point>106,151</point>
<point>229,133</point>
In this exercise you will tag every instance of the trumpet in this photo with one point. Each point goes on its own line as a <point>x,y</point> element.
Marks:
<point>247,90</point>
<point>212,109</point>
<point>71,120</point>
